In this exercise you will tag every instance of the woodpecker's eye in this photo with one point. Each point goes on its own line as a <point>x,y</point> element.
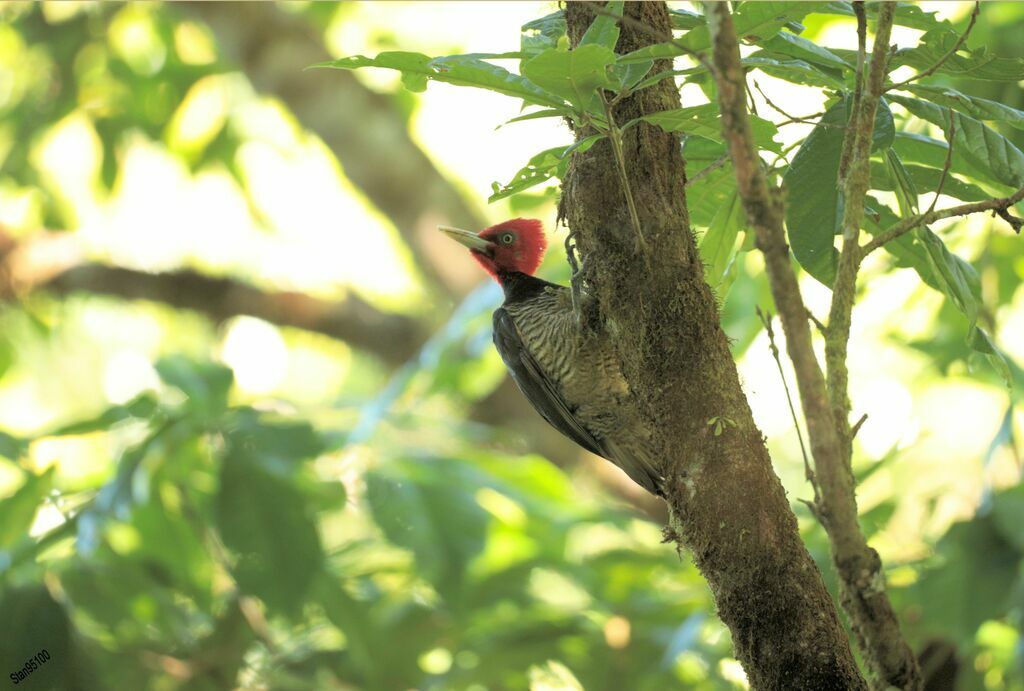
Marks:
<point>507,238</point>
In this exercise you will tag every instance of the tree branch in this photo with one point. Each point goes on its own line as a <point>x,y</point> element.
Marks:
<point>728,507</point>
<point>999,206</point>
<point>33,266</point>
<point>888,657</point>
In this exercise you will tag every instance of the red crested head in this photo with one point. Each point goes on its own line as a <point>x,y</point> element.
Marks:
<point>517,245</point>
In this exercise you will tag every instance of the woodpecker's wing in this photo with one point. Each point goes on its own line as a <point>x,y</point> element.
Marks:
<point>537,387</point>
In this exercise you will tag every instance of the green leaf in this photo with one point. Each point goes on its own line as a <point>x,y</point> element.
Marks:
<point>785,43</point>
<point>980,108</point>
<point>542,167</point>
<point>278,442</point>
<point>575,75</point>
<point>541,34</point>
<point>975,64</point>
<point>977,143</point>
<point>168,539</point>
<point>907,14</point>
<point>718,245</point>
<point>754,21</point>
<point>206,384</point>
<point>535,115</point>
<point>707,195</point>
<point>1008,511</point>
<point>813,204</point>
<point>7,355</point>
<point>36,622</point>
<point>263,520</point>
<point>604,30</point>
<point>628,76</point>
<point>976,559</point>
<point>11,447</point>
<point>704,121</point>
<point>795,71</point>
<point>927,178</point>
<point>939,268</point>
<point>918,148</point>
<point>427,506</point>
<point>454,69</point>
<point>141,407</point>
<point>685,19</point>
<point>18,511</point>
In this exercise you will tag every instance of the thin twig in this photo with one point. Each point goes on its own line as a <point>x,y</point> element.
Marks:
<point>949,159</point>
<point>808,472</point>
<point>791,118</point>
<point>704,172</point>
<point>615,136</point>
<point>817,322</point>
<point>931,70</point>
<point>906,225</point>
<point>857,425</point>
<point>811,119</point>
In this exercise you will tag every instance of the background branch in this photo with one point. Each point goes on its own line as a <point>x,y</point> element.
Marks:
<point>49,263</point>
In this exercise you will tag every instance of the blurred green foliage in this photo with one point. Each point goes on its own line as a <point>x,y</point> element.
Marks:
<point>196,535</point>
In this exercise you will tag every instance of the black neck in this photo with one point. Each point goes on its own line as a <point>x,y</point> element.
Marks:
<point>519,286</point>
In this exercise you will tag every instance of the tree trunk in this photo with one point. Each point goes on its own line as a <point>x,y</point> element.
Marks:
<point>729,508</point>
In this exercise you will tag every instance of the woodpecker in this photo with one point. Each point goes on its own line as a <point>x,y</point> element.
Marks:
<point>568,372</point>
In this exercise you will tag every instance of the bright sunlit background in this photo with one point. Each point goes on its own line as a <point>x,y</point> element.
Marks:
<point>190,140</point>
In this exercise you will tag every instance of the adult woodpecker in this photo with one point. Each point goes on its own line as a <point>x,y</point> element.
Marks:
<point>569,373</point>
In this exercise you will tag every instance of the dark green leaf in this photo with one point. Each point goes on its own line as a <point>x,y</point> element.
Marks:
<point>278,442</point>
<point>263,519</point>
<point>918,148</point>
<point>927,178</point>
<point>427,506</point>
<point>977,143</point>
<point>813,206</point>
<point>18,511</point>
<point>206,384</point>
<point>35,622</point>
<point>1008,514</point>
<point>976,559</point>
<point>167,538</point>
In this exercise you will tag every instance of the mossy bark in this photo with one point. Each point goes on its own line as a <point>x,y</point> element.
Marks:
<point>729,508</point>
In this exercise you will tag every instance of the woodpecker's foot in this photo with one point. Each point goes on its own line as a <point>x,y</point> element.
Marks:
<point>570,252</point>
